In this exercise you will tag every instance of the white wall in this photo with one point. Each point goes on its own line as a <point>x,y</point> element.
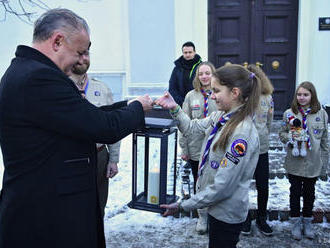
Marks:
<point>108,23</point>
<point>107,20</point>
<point>314,47</point>
<point>191,25</point>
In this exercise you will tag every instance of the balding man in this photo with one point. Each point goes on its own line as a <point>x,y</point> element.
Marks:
<point>48,134</point>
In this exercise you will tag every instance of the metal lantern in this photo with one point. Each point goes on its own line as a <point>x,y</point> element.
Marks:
<point>154,165</point>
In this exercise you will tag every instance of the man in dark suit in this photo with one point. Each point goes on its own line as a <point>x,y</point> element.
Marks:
<point>48,134</point>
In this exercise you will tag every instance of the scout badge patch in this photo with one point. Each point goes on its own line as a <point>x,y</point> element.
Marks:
<point>239,148</point>
<point>214,164</point>
<point>232,158</point>
<point>223,163</point>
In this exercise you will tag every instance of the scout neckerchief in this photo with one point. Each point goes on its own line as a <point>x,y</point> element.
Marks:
<point>86,85</point>
<point>304,124</point>
<point>206,101</point>
<point>83,90</point>
<point>222,121</point>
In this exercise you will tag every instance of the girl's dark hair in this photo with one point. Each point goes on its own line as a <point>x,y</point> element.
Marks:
<point>314,104</point>
<point>197,83</point>
<point>236,76</point>
<point>266,86</point>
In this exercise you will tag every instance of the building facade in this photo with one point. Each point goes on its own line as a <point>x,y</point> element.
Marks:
<point>134,43</point>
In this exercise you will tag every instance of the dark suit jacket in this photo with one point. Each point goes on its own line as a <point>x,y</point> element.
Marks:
<point>48,135</point>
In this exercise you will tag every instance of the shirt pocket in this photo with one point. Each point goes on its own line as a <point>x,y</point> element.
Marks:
<point>317,130</point>
<point>76,176</point>
<point>195,109</point>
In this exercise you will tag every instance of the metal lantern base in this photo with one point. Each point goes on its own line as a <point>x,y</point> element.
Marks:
<point>141,203</point>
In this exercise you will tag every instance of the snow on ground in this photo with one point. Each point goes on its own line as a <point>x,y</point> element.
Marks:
<point>130,228</point>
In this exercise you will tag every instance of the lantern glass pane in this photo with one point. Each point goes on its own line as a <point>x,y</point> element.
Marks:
<point>170,164</point>
<point>140,164</point>
<point>154,171</point>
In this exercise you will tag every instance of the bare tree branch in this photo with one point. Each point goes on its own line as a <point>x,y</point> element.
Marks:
<point>25,10</point>
<point>19,8</point>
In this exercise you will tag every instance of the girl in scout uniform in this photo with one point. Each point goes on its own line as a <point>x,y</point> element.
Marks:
<point>198,105</point>
<point>304,170</point>
<point>229,155</point>
<point>263,120</point>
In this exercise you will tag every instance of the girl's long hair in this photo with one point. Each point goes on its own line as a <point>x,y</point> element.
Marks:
<point>266,86</point>
<point>237,76</point>
<point>314,104</point>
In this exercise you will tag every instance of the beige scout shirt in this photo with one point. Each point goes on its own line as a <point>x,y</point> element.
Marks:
<point>263,121</point>
<point>223,185</point>
<point>311,165</point>
<point>193,106</point>
<point>99,94</point>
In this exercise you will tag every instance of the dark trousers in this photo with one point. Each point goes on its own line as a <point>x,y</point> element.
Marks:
<point>305,187</point>
<point>194,168</point>
<point>102,180</point>
<point>222,234</point>
<point>261,175</point>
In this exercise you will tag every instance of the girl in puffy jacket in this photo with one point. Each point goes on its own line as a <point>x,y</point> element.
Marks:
<point>304,169</point>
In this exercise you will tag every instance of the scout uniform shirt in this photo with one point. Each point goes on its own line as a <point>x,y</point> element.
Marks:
<point>311,165</point>
<point>263,121</point>
<point>223,184</point>
<point>97,93</point>
<point>193,106</point>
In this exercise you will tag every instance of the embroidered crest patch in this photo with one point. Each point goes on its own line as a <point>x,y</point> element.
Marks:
<point>214,164</point>
<point>223,163</point>
<point>317,118</point>
<point>239,148</point>
<point>232,158</point>
<point>97,93</point>
<point>316,131</point>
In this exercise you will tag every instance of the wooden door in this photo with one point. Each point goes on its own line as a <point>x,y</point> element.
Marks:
<point>263,31</point>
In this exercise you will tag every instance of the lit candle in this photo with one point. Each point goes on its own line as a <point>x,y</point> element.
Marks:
<point>153,186</point>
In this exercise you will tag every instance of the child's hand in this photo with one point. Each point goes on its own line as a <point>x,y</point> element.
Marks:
<point>166,101</point>
<point>171,209</point>
<point>185,157</point>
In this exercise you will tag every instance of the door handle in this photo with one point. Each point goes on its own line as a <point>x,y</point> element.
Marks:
<point>275,64</point>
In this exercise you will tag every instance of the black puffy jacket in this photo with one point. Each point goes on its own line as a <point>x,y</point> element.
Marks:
<point>182,77</point>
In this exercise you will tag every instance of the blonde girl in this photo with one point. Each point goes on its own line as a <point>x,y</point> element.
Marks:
<point>198,105</point>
